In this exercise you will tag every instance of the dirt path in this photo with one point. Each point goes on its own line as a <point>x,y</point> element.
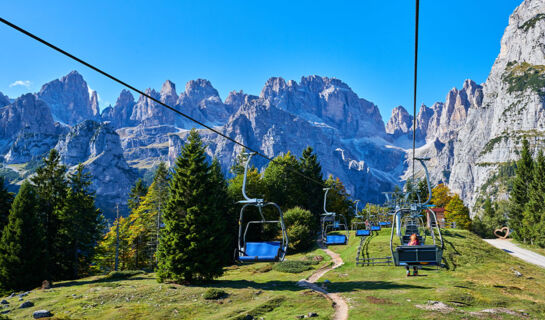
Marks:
<point>340,305</point>
<point>516,251</point>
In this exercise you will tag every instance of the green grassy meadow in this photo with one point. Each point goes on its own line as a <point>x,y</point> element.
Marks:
<point>478,277</point>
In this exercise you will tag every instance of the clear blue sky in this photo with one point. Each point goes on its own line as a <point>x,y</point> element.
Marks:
<point>240,44</point>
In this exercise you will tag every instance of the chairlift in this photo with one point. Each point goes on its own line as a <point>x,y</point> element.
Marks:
<point>359,220</point>
<point>262,251</point>
<point>332,221</point>
<point>407,220</point>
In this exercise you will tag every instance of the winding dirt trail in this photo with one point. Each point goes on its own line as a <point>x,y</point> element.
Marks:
<point>340,305</point>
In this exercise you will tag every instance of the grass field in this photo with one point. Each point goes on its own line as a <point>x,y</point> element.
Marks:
<point>479,277</point>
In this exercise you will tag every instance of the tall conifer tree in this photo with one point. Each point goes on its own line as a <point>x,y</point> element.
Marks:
<point>137,192</point>
<point>519,194</point>
<point>535,209</point>
<point>190,247</point>
<point>22,246</point>
<point>310,167</point>
<point>6,198</point>
<point>51,187</point>
<point>80,227</point>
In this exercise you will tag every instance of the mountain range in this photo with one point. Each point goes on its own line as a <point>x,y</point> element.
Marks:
<point>469,136</point>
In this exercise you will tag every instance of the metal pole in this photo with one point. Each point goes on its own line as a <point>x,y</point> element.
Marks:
<point>117,239</point>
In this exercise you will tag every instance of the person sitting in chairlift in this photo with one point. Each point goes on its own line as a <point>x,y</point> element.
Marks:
<point>414,242</point>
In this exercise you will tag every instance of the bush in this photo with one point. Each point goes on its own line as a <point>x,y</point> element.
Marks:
<point>294,266</point>
<point>123,274</point>
<point>299,224</point>
<point>214,294</point>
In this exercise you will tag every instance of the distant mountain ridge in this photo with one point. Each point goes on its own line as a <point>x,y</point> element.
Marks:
<point>468,136</point>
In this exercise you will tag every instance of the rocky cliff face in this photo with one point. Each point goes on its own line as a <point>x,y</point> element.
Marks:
<point>69,99</point>
<point>98,147</point>
<point>4,100</point>
<point>400,122</point>
<point>327,102</point>
<point>512,104</point>
<point>28,123</point>
<point>120,114</point>
<point>366,166</point>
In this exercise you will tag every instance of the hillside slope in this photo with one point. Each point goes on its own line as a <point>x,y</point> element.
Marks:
<point>480,281</point>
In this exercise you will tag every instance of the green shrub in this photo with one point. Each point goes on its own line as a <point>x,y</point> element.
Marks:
<point>123,274</point>
<point>293,266</point>
<point>214,294</point>
<point>299,224</point>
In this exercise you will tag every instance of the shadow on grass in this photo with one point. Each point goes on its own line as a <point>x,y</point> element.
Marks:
<point>445,232</point>
<point>96,281</point>
<point>347,286</point>
<point>448,255</point>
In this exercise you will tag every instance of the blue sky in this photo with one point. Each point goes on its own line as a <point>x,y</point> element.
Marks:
<point>240,44</point>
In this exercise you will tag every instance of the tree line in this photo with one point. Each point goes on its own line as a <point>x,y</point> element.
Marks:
<point>50,228</point>
<point>184,225</point>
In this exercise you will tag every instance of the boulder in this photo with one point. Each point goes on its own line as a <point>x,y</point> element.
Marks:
<point>26,304</point>
<point>42,314</point>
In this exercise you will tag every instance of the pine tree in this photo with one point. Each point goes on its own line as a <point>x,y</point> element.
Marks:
<point>22,246</point>
<point>137,192</point>
<point>190,247</point>
<point>518,197</point>
<point>80,227</point>
<point>225,206</point>
<point>310,167</point>
<point>457,212</point>
<point>534,208</point>
<point>51,187</point>
<point>6,198</point>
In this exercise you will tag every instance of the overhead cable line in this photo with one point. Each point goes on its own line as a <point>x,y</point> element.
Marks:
<point>104,73</point>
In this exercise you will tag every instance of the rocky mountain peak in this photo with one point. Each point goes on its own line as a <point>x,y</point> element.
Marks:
<point>68,98</point>
<point>400,122</point>
<point>4,100</point>
<point>25,113</point>
<point>273,87</point>
<point>238,98</point>
<point>168,93</point>
<point>423,119</point>
<point>94,104</point>
<point>125,98</point>
<point>200,89</point>
<point>120,115</point>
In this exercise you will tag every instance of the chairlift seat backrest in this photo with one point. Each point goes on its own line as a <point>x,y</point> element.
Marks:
<point>363,233</point>
<point>261,251</point>
<point>335,239</point>
<point>423,254</point>
<point>376,228</point>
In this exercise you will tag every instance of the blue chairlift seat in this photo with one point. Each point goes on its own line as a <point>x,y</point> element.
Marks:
<point>384,223</point>
<point>261,251</point>
<point>363,233</point>
<point>335,239</point>
<point>418,255</point>
<point>376,228</point>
